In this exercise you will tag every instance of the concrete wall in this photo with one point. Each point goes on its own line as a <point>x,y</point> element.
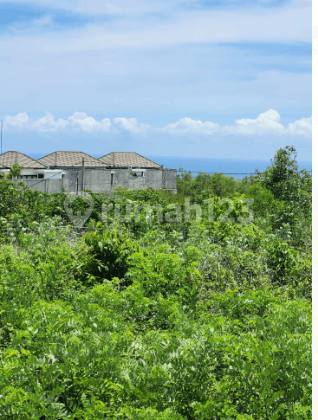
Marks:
<point>48,186</point>
<point>71,180</point>
<point>154,178</point>
<point>120,178</point>
<point>102,180</point>
<point>34,184</point>
<point>137,182</point>
<point>96,180</point>
<point>54,185</point>
<point>169,179</point>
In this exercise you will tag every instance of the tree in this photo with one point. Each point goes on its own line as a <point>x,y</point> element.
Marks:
<point>283,178</point>
<point>292,189</point>
<point>15,171</point>
<point>185,183</point>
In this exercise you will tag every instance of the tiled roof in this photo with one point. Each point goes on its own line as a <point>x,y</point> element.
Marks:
<point>70,159</point>
<point>125,159</point>
<point>7,159</point>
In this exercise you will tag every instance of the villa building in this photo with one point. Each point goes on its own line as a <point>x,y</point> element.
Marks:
<point>72,171</point>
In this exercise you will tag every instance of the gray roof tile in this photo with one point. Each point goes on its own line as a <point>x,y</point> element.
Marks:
<point>125,159</point>
<point>70,159</point>
<point>7,159</point>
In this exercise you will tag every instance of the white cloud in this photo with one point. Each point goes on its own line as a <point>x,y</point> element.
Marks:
<point>82,121</point>
<point>19,121</point>
<point>131,125</point>
<point>45,124</point>
<point>302,127</point>
<point>22,121</point>
<point>266,123</point>
<point>48,124</point>
<point>31,27</point>
<point>290,23</point>
<point>119,59</point>
<point>269,123</point>
<point>122,7</point>
<point>102,7</point>
<point>189,126</point>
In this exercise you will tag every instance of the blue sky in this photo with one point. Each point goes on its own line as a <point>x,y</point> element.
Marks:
<point>192,78</point>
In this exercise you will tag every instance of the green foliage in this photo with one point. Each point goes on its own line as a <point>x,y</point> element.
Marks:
<point>204,186</point>
<point>131,318</point>
<point>111,250</point>
<point>15,171</point>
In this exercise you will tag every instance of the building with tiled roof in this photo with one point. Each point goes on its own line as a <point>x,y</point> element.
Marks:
<point>7,159</point>
<point>30,168</point>
<point>75,172</point>
<point>128,159</point>
<point>70,160</point>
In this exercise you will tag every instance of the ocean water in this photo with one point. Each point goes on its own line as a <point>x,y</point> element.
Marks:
<point>237,168</point>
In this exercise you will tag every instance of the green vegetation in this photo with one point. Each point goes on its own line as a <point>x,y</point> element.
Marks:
<point>15,172</point>
<point>137,318</point>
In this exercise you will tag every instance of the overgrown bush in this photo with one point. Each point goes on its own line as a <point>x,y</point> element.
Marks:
<point>131,318</point>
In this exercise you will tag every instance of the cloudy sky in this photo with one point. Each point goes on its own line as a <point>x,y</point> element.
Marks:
<point>192,78</point>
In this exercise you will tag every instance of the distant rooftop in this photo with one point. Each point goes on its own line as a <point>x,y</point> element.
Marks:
<point>125,159</point>
<point>7,159</point>
<point>70,159</point>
